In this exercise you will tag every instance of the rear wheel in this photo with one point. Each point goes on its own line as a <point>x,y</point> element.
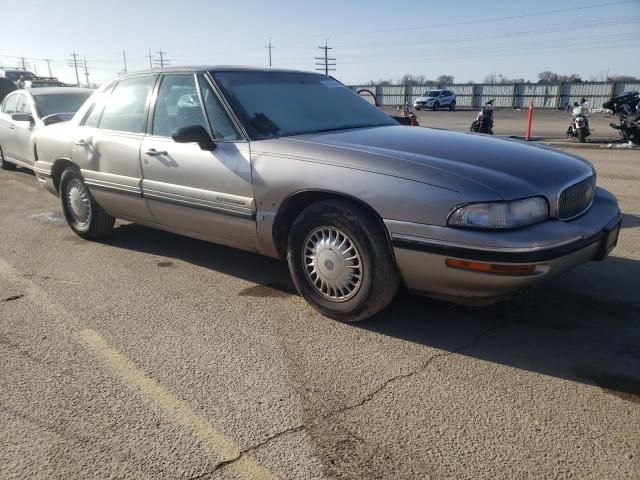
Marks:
<point>85,217</point>
<point>340,261</point>
<point>4,164</point>
<point>582,135</point>
<point>436,106</point>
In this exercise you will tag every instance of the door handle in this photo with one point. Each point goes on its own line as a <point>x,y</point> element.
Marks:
<point>83,143</point>
<point>152,152</point>
<point>12,126</point>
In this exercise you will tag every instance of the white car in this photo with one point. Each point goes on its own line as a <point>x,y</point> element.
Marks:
<point>435,99</point>
<point>24,111</point>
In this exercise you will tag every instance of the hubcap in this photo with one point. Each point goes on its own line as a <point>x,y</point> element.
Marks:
<point>332,263</point>
<point>78,202</point>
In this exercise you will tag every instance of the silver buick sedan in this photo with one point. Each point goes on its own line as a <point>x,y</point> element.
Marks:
<point>297,166</point>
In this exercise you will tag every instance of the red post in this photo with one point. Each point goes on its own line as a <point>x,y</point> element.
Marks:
<point>530,121</point>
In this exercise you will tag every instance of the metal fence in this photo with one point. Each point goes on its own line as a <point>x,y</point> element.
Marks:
<point>514,95</point>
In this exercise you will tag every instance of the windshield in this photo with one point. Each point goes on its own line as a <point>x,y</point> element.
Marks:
<point>60,102</point>
<point>432,93</point>
<point>275,104</point>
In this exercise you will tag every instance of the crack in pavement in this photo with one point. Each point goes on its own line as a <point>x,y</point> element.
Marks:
<point>225,463</point>
<point>367,398</point>
<point>371,395</point>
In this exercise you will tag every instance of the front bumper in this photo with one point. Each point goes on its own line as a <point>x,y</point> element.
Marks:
<point>552,247</point>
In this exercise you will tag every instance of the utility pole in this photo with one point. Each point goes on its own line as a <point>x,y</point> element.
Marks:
<point>269,47</point>
<point>86,71</point>
<point>48,60</point>
<point>24,63</point>
<point>124,58</point>
<point>163,61</point>
<point>150,57</point>
<point>326,61</point>
<point>74,64</point>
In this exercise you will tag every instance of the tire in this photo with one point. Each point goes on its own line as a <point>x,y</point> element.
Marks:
<point>436,106</point>
<point>343,231</point>
<point>85,217</point>
<point>582,135</point>
<point>452,105</point>
<point>475,127</point>
<point>4,164</point>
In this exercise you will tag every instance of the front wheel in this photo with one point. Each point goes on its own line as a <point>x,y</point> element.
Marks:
<point>85,217</point>
<point>340,261</point>
<point>452,105</point>
<point>4,164</point>
<point>436,106</point>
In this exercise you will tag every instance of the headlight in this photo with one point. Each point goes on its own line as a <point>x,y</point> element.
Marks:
<point>500,214</point>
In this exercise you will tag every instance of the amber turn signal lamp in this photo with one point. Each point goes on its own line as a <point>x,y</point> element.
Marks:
<point>490,267</point>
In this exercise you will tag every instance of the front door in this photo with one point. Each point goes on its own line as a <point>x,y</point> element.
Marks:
<point>205,193</point>
<point>21,142</point>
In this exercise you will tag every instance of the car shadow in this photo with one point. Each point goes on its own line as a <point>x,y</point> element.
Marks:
<point>582,326</point>
<point>630,221</point>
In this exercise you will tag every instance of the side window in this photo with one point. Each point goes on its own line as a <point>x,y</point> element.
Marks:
<point>23,105</point>
<point>178,105</point>
<point>221,125</point>
<point>95,111</point>
<point>124,110</point>
<point>9,105</point>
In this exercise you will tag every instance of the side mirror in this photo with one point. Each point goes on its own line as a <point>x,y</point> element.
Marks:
<point>194,134</point>
<point>23,117</point>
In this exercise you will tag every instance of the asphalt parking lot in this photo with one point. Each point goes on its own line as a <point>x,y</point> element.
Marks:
<point>150,355</point>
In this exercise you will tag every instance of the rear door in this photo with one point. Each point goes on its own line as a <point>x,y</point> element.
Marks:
<point>107,148</point>
<point>7,124</point>
<point>207,193</point>
<point>22,131</point>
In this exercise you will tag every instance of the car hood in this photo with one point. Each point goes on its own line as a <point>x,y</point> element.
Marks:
<point>510,168</point>
<point>425,99</point>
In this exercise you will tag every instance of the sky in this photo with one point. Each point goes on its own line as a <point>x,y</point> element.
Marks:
<point>370,40</point>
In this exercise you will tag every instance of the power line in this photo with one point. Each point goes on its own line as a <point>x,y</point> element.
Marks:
<point>326,61</point>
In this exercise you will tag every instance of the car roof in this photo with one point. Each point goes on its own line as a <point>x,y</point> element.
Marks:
<point>216,68</point>
<point>57,90</point>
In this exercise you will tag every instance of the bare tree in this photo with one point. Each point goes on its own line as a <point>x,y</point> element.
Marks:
<point>551,77</point>
<point>622,78</point>
<point>444,79</point>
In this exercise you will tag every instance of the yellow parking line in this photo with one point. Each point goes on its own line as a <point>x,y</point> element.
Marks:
<point>214,442</point>
<point>218,445</point>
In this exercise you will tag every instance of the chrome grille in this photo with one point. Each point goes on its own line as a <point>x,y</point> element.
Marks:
<point>577,198</point>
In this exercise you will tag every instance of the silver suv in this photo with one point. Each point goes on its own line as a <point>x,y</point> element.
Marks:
<point>435,99</point>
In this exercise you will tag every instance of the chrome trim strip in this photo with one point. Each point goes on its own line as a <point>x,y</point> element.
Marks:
<point>196,203</point>
<point>430,241</point>
<point>42,173</point>
<point>114,187</point>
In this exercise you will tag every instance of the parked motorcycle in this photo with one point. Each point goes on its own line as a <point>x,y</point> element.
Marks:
<point>406,116</point>
<point>484,121</point>
<point>579,126</point>
<point>626,107</point>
